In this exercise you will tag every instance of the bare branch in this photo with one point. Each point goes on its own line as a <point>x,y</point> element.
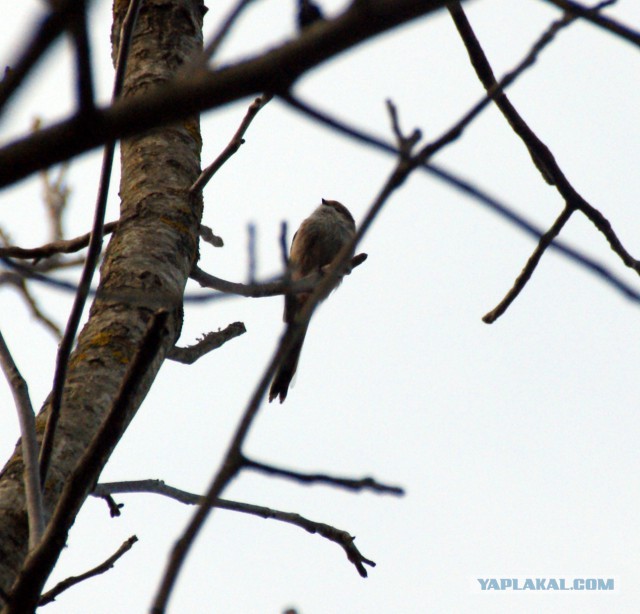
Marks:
<point>537,150</point>
<point>20,272</point>
<point>510,77</point>
<point>580,258</point>
<point>367,483</point>
<point>67,246</point>
<point>26,590</point>
<point>18,281</point>
<point>405,143</point>
<point>233,459</point>
<point>77,26</point>
<point>114,508</point>
<point>26,418</point>
<point>274,288</point>
<point>274,71</point>
<point>211,49</point>
<point>251,250</point>
<point>475,192</point>
<point>342,538</point>
<point>540,153</point>
<point>50,28</point>
<point>56,196</point>
<point>93,254</point>
<point>591,14</point>
<point>209,342</point>
<point>234,144</point>
<point>51,595</point>
<point>527,272</point>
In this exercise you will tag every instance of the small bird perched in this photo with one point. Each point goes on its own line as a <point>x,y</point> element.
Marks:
<point>316,244</point>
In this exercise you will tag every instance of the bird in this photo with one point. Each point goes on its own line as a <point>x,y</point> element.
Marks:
<point>315,244</point>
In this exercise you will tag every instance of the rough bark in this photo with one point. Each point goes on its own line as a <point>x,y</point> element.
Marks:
<point>145,268</point>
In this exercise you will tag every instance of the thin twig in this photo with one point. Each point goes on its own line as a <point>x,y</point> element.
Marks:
<point>476,194</point>
<point>114,508</point>
<point>77,26</point>
<point>273,71</point>
<point>209,342</point>
<point>49,29</point>
<point>591,14</point>
<point>226,288</point>
<point>232,147</point>
<point>507,79</point>
<point>575,255</point>
<point>51,595</point>
<point>211,49</point>
<point>56,196</point>
<point>529,268</point>
<point>540,153</point>
<point>18,281</point>
<point>35,570</point>
<point>26,418</point>
<point>485,74</point>
<point>367,483</point>
<point>259,290</point>
<point>66,246</point>
<point>251,249</point>
<point>338,536</point>
<point>405,143</point>
<point>93,253</point>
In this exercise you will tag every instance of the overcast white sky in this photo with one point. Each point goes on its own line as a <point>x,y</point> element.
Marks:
<point>517,443</point>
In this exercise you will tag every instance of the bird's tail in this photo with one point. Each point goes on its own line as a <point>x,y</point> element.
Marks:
<point>286,370</point>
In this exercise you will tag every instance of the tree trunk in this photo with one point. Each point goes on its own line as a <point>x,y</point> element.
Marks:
<point>146,267</point>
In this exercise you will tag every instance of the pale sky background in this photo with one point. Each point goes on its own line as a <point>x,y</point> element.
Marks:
<point>517,442</point>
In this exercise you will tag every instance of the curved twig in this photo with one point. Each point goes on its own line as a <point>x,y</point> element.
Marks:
<point>338,536</point>
<point>105,566</point>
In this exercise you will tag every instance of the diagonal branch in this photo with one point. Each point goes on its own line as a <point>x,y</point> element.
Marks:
<point>49,29</point>
<point>26,590</point>
<point>526,273</point>
<point>26,417</point>
<point>236,142</point>
<point>607,23</point>
<point>211,341</point>
<point>274,71</point>
<point>105,566</point>
<point>93,254</point>
<point>509,78</point>
<point>224,30</point>
<point>537,150</point>
<point>338,536</point>
<point>367,483</point>
<point>77,26</point>
<point>66,246</point>
<point>233,459</point>
<point>474,192</point>
<point>540,153</point>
